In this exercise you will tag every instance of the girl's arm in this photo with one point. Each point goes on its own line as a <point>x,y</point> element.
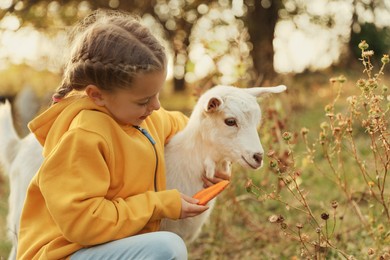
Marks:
<point>75,181</point>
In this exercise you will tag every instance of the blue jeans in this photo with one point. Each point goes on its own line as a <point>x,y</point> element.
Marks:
<point>151,246</point>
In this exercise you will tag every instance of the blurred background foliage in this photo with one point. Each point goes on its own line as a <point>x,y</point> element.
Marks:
<point>299,43</point>
<point>240,42</point>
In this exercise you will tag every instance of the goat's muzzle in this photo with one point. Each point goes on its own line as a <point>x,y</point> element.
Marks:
<point>255,162</point>
<point>258,157</point>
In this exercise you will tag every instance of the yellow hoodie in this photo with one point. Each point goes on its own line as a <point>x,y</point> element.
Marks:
<point>99,182</point>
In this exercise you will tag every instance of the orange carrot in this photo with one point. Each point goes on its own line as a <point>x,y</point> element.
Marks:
<point>205,195</point>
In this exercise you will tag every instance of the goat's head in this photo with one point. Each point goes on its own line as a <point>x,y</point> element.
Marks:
<point>230,117</point>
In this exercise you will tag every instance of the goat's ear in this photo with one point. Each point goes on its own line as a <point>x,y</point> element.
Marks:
<point>263,90</point>
<point>213,104</point>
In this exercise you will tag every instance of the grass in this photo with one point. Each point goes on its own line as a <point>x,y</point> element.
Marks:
<point>5,245</point>
<point>242,225</point>
<point>321,218</point>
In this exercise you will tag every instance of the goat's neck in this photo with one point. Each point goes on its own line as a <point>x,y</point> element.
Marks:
<point>206,155</point>
<point>195,132</point>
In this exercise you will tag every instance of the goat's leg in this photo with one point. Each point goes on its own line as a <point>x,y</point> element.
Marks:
<point>209,166</point>
<point>227,167</point>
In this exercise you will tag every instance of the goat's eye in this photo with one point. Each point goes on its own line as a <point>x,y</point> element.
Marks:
<point>231,122</point>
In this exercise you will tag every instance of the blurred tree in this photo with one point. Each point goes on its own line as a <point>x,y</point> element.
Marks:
<point>367,20</point>
<point>261,21</point>
<point>178,18</point>
<point>367,25</point>
<point>377,38</point>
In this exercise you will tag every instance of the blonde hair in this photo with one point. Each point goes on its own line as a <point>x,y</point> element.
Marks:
<point>109,49</point>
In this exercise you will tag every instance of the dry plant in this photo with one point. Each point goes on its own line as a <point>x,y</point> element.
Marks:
<point>351,151</point>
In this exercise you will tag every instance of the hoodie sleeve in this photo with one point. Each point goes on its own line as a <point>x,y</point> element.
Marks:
<point>74,181</point>
<point>177,121</point>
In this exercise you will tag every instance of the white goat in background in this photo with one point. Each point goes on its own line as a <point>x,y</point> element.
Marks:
<point>20,160</point>
<point>222,129</point>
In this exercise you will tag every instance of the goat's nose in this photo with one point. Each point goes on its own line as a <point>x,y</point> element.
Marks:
<point>258,157</point>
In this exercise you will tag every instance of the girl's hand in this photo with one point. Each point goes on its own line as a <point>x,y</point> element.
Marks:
<point>189,208</point>
<point>219,176</point>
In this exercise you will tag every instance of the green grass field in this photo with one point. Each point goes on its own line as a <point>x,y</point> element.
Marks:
<point>242,226</point>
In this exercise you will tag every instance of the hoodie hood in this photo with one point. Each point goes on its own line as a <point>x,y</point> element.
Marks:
<point>51,125</point>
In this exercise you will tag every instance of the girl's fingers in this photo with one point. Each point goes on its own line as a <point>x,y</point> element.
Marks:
<point>190,208</point>
<point>189,199</point>
<point>194,210</point>
<point>222,176</point>
<point>206,182</point>
<point>219,176</point>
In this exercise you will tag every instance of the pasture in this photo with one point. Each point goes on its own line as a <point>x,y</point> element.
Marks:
<point>322,192</point>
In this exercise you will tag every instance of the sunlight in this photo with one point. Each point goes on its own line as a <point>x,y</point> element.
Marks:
<point>10,22</point>
<point>32,47</point>
<point>299,43</point>
<point>4,4</point>
<point>16,48</point>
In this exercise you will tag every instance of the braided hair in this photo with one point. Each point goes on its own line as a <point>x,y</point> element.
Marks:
<point>109,49</point>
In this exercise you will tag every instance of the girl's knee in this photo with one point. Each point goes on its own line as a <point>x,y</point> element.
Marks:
<point>156,245</point>
<point>172,246</point>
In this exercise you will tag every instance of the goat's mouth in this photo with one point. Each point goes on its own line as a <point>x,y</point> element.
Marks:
<point>256,166</point>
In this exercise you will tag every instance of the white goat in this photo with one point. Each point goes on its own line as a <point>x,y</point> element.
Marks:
<point>222,129</point>
<point>21,159</point>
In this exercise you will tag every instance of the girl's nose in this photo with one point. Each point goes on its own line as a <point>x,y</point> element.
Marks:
<point>155,103</point>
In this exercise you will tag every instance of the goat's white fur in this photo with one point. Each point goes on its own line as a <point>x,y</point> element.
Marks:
<point>205,143</point>
<point>20,160</point>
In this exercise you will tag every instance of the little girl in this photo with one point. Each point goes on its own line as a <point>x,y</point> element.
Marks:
<point>100,192</point>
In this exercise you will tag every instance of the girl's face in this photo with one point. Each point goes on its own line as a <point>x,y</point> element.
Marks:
<point>132,106</point>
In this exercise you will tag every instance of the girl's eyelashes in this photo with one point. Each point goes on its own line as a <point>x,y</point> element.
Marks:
<point>147,100</point>
<point>144,103</point>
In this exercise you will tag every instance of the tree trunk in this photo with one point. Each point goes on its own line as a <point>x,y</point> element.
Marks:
<point>261,24</point>
<point>179,85</point>
<point>180,41</point>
